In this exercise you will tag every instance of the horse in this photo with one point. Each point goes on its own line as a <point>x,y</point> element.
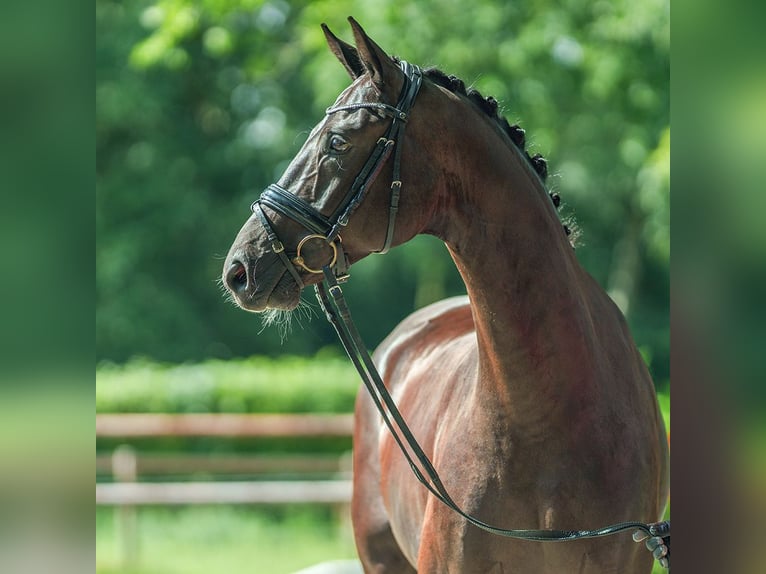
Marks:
<point>528,394</point>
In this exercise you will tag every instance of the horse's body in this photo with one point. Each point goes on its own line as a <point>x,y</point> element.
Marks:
<point>528,395</point>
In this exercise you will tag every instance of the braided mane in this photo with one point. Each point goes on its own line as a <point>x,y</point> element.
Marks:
<point>489,106</point>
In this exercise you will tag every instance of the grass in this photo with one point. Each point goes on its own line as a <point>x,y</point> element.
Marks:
<point>205,539</point>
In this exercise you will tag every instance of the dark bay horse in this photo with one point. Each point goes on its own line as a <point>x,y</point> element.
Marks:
<point>528,395</point>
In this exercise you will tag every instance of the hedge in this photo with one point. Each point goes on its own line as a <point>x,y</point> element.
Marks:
<point>320,384</point>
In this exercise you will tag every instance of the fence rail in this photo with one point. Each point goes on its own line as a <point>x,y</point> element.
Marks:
<point>139,425</point>
<point>163,464</point>
<point>171,493</point>
<point>126,465</point>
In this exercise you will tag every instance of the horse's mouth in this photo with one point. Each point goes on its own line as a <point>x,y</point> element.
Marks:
<point>277,290</point>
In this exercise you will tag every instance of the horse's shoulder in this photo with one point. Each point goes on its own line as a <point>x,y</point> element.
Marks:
<point>430,326</point>
<point>446,318</point>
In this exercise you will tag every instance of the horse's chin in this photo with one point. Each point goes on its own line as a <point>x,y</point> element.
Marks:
<point>289,304</point>
<point>269,307</point>
<point>284,296</point>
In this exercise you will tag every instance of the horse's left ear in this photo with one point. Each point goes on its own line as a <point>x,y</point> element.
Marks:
<point>382,69</point>
<point>346,53</point>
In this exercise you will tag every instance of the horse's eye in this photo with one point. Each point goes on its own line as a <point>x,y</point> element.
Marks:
<point>338,144</point>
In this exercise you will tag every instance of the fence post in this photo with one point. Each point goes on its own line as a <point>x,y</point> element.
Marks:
<point>124,469</point>
<point>343,510</point>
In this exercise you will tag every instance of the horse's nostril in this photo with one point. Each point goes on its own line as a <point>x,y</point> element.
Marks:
<point>236,277</point>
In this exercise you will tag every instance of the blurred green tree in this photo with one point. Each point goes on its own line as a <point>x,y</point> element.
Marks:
<point>201,104</point>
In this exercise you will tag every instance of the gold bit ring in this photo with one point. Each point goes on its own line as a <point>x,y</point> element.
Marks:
<point>300,262</point>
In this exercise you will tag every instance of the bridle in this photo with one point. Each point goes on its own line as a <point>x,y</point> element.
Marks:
<point>332,301</point>
<point>327,228</point>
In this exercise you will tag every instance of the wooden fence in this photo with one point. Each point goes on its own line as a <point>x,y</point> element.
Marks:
<point>222,425</point>
<point>250,492</point>
<point>125,466</point>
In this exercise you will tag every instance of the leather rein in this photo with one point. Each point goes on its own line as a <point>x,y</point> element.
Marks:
<point>332,301</point>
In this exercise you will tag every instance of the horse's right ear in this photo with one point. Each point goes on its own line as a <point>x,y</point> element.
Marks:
<point>346,53</point>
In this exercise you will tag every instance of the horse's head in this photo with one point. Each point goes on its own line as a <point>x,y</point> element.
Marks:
<point>338,200</point>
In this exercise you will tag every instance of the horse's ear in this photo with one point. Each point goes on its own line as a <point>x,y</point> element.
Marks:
<point>380,66</point>
<point>346,53</point>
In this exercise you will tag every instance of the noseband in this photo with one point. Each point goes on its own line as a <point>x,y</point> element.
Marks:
<point>327,228</point>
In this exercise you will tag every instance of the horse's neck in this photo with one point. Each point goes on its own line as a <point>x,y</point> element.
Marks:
<point>526,288</point>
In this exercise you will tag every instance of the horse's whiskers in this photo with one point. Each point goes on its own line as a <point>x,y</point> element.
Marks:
<point>227,295</point>
<point>283,319</point>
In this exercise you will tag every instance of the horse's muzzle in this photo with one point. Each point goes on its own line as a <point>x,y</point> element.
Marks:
<point>269,288</point>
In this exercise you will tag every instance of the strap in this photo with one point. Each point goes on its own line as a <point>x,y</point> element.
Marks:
<point>393,210</point>
<point>385,108</point>
<point>394,135</point>
<point>276,245</point>
<point>339,315</point>
<point>409,93</point>
<point>358,190</point>
<point>282,201</point>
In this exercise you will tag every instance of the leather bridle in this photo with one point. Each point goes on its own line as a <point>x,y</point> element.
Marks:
<point>327,228</point>
<point>331,299</point>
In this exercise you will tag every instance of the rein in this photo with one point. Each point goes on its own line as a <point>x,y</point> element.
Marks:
<point>331,299</point>
<point>333,303</point>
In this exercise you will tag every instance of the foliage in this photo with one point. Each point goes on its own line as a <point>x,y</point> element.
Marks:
<point>664,401</point>
<point>323,384</point>
<point>202,103</point>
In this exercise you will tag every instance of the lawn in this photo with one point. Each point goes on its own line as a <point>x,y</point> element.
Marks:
<point>211,539</point>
